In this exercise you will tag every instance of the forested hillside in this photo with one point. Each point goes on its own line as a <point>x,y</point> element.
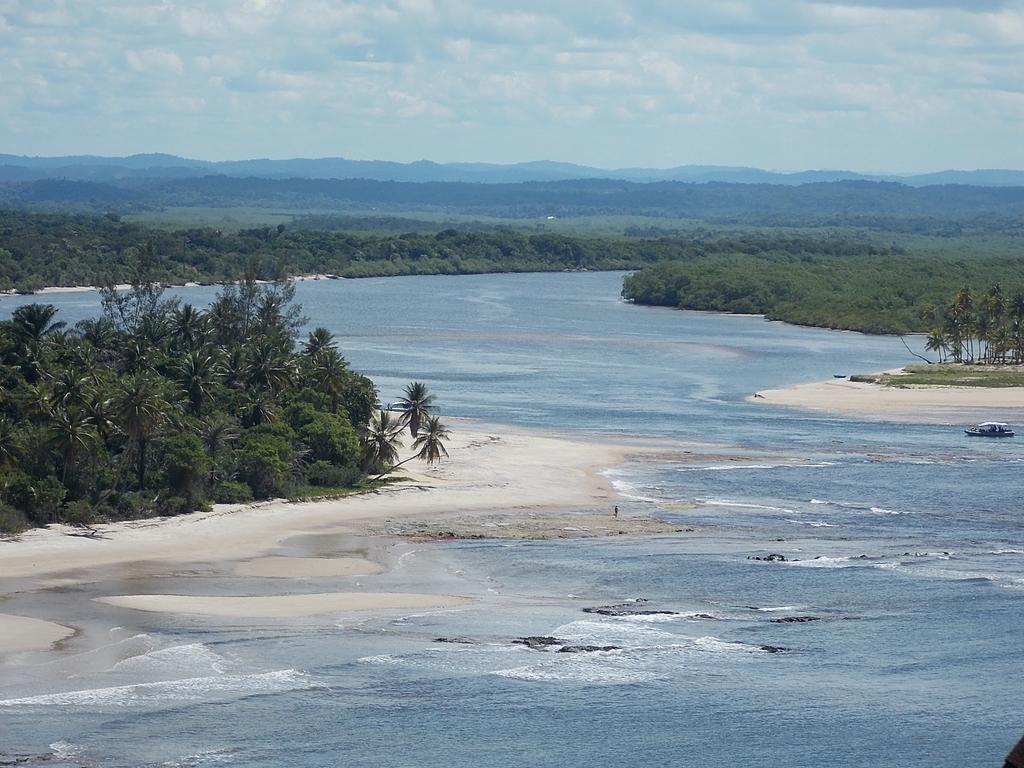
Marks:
<point>38,250</point>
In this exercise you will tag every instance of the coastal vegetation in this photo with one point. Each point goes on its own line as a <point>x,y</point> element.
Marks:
<point>38,250</point>
<point>874,293</point>
<point>159,408</point>
<point>949,375</point>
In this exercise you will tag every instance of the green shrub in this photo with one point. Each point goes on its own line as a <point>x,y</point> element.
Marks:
<point>231,492</point>
<point>11,520</point>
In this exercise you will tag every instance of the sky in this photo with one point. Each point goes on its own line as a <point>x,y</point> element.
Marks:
<point>867,85</point>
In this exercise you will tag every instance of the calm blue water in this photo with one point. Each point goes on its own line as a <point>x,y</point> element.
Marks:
<point>905,542</point>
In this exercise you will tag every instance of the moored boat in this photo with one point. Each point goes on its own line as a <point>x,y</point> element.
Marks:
<point>990,429</point>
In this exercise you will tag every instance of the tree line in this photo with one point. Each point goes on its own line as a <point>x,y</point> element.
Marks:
<point>158,408</point>
<point>38,250</point>
<point>873,293</point>
<point>984,326</point>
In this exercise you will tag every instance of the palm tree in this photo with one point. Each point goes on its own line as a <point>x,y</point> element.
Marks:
<point>70,433</point>
<point>189,326</point>
<point>430,443</point>
<point>197,371</point>
<point>415,405</point>
<point>34,322</point>
<point>31,325</point>
<point>1017,325</point>
<point>217,432</point>
<point>937,342</point>
<point>319,338</point>
<point>327,370</point>
<point>267,367</point>
<point>8,442</point>
<point>382,441</point>
<point>68,387</point>
<point>141,410</point>
<point>429,446</point>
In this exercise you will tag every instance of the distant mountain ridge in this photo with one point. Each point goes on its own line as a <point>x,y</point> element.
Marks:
<point>94,168</point>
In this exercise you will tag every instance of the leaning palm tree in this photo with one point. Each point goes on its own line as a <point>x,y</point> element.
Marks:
<point>382,441</point>
<point>937,342</point>
<point>429,446</point>
<point>415,405</point>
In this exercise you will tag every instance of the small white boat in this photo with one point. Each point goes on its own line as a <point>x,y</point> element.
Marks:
<point>990,429</point>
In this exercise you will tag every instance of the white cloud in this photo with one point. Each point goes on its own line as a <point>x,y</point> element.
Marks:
<point>666,81</point>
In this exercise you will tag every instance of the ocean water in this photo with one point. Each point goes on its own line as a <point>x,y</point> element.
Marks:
<point>904,543</point>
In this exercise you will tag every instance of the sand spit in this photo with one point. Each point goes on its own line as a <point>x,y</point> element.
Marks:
<point>281,606</point>
<point>492,469</point>
<point>308,567</point>
<point>21,633</point>
<point>930,405</point>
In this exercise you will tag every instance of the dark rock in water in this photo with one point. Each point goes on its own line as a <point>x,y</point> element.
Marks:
<point>539,642</point>
<point>774,557</point>
<point>588,648</point>
<point>773,649</point>
<point>794,619</point>
<point>628,609</point>
<point>456,640</point>
<point>704,616</point>
<point>618,610</point>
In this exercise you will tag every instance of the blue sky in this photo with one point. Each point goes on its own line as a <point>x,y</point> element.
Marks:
<point>869,85</point>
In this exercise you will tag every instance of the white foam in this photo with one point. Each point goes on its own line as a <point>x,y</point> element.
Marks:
<point>65,750</point>
<point>777,608</point>
<point>812,523</point>
<point>730,467</point>
<point>884,511</point>
<point>382,659</point>
<point>585,671</point>
<point>716,645</point>
<point>827,562</point>
<point>630,491</point>
<point>1007,552</point>
<point>191,658</point>
<point>613,632</point>
<point>206,757</point>
<point>188,689</point>
<point>747,505</point>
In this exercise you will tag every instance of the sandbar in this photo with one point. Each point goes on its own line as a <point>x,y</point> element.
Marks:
<point>22,633</point>
<point>280,606</point>
<point>492,468</point>
<point>924,404</point>
<point>308,567</point>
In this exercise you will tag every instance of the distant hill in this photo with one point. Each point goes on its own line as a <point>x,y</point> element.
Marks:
<point>156,165</point>
<point>945,210</point>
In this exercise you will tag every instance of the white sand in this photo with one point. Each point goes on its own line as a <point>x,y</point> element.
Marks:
<point>498,471</point>
<point>280,606</point>
<point>21,633</point>
<point>918,404</point>
<point>495,469</point>
<point>308,567</point>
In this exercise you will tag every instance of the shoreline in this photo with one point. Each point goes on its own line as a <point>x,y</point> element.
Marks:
<point>52,289</point>
<point>522,478</point>
<point>934,404</point>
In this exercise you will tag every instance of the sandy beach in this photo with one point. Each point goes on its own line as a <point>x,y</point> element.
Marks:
<point>497,480</point>
<point>929,405</point>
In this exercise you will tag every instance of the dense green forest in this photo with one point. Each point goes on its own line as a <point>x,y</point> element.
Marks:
<point>871,293</point>
<point>38,250</point>
<point>945,210</point>
<point>158,407</point>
